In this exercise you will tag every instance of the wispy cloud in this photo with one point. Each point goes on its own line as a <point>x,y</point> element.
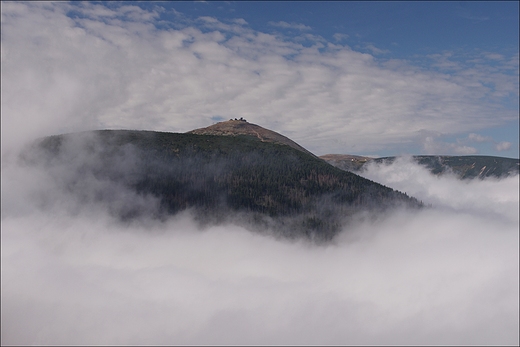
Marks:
<point>463,13</point>
<point>375,50</point>
<point>479,138</point>
<point>502,146</point>
<point>285,25</point>
<point>431,145</point>
<point>340,36</point>
<point>493,56</point>
<point>127,12</point>
<point>85,72</point>
<point>240,21</point>
<point>498,146</point>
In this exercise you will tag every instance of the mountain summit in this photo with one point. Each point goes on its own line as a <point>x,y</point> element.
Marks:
<point>234,127</point>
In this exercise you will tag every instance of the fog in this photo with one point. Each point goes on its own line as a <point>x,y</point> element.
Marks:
<point>73,274</point>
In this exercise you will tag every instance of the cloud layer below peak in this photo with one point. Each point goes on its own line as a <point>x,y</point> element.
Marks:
<point>447,274</point>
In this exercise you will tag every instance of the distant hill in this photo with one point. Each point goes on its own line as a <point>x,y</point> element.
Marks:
<point>263,180</point>
<point>465,167</point>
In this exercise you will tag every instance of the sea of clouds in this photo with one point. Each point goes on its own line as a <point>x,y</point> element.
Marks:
<point>72,274</point>
<point>447,274</point>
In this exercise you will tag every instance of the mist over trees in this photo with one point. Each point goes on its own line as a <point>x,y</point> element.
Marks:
<point>94,251</point>
<point>155,174</point>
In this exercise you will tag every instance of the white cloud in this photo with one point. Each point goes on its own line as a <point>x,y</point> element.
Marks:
<point>489,70</point>
<point>209,19</point>
<point>479,197</point>
<point>97,10</point>
<point>444,275</point>
<point>285,25</point>
<point>240,21</point>
<point>494,56</point>
<point>479,138</point>
<point>375,50</point>
<point>497,146</point>
<point>340,36</point>
<point>431,145</point>
<point>103,70</point>
<point>503,146</point>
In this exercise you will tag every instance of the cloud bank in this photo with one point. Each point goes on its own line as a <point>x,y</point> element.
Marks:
<point>82,66</point>
<point>72,274</point>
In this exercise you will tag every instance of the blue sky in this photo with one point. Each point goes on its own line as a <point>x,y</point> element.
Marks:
<point>403,28</point>
<point>366,78</point>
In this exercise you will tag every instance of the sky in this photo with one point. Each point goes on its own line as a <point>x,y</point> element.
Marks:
<point>364,78</point>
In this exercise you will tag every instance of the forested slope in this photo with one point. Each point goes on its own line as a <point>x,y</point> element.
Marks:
<point>217,177</point>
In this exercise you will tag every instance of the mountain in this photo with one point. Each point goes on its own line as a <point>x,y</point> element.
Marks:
<point>346,162</point>
<point>251,176</point>
<point>235,127</point>
<point>465,167</point>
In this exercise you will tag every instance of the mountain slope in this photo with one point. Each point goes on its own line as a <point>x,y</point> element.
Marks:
<point>465,167</point>
<point>265,184</point>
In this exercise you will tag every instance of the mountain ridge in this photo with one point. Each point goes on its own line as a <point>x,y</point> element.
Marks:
<point>464,167</point>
